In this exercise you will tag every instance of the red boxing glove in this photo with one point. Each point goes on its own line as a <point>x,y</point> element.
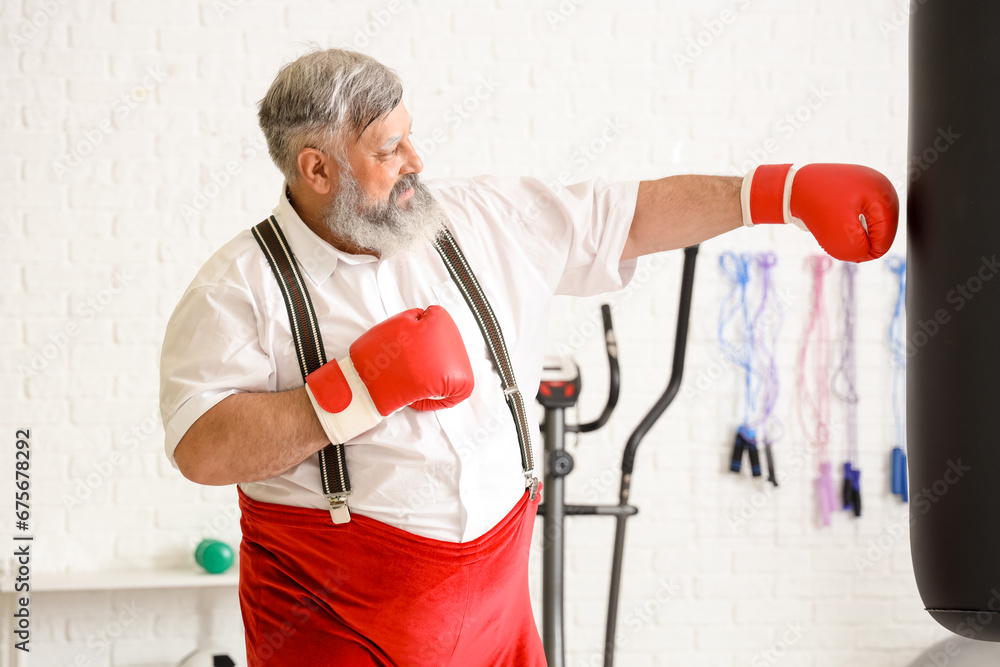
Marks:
<point>852,210</point>
<point>414,358</point>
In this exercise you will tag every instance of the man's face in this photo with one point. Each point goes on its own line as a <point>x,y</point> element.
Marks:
<point>383,155</point>
<point>380,204</point>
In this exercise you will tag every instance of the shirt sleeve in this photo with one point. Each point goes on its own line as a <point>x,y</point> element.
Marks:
<point>574,234</point>
<point>211,350</point>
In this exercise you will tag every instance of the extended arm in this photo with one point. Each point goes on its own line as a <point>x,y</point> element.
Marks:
<point>680,211</point>
<point>851,210</point>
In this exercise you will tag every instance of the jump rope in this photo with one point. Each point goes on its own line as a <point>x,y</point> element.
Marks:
<point>897,347</point>
<point>752,350</point>
<point>846,376</point>
<point>767,323</point>
<point>736,310</point>
<point>813,403</point>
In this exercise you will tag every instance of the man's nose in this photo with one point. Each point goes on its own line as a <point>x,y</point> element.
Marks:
<point>413,163</point>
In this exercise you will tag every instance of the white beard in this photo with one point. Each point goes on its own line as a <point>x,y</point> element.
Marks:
<point>384,227</point>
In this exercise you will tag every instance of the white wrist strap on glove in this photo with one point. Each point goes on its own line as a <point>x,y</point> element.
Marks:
<point>785,204</point>
<point>359,416</point>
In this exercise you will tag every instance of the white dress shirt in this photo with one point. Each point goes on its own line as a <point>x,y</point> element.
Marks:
<point>450,474</point>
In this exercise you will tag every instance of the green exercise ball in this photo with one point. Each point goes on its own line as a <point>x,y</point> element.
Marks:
<point>215,556</point>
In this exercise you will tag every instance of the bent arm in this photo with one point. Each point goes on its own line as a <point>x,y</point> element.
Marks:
<point>680,211</point>
<point>248,437</point>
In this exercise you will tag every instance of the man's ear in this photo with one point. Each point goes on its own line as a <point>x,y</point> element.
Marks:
<point>318,171</point>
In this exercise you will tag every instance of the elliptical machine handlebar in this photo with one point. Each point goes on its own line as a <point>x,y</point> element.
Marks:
<point>628,458</point>
<point>676,371</point>
<point>614,378</point>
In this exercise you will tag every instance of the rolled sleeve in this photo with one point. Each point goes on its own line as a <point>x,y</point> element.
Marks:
<point>600,217</point>
<point>211,350</point>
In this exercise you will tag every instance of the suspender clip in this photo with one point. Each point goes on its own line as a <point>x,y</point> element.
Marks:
<point>532,485</point>
<point>338,509</point>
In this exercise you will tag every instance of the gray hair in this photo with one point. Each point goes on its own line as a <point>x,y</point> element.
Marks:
<point>319,100</point>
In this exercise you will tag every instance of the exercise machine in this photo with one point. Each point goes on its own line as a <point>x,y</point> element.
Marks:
<point>559,391</point>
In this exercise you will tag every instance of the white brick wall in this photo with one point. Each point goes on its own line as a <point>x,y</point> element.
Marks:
<point>107,173</point>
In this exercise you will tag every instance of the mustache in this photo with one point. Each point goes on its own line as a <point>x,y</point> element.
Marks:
<point>384,225</point>
<point>404,183</point>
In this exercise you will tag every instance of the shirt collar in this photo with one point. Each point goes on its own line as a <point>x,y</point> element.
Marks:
<point>316,257</point>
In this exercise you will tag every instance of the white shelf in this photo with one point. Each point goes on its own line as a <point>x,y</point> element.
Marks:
<point>111,581</point>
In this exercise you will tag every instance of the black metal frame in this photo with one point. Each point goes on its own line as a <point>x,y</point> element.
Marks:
<point>559,463</point>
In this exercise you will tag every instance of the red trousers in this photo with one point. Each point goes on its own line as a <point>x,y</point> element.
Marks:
<point>365,594</point>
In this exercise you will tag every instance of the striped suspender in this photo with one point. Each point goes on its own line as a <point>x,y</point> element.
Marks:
<point>309,348</point>
<point>488,325</point>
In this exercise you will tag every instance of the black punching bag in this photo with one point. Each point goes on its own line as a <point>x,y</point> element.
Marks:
<point>953,312</point>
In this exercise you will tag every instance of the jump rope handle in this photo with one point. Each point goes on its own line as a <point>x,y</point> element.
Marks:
<point>827,496</point>
<point>736,464</point>
<point>856,491</point>
<point>745,442</point>
<point>847,490</point>
<point>754,458</point>
<point>771,474</point>
<point>899,485</point>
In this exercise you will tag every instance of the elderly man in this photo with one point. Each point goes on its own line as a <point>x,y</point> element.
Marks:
<point>365,336</point>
